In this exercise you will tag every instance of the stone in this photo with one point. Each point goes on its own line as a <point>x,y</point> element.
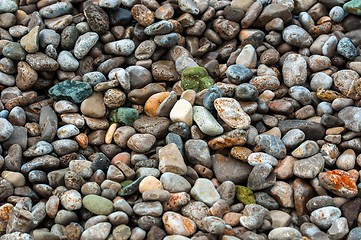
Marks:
<point>353,7</point>
<point>171,160</point>
<point>253,216</point>
<point>97,18</point>
<point>98,231</point>
<point>124,116</point>
<point>30,42</point>
<point>176,224</point>
<point>230,169</point>
<point>245,195</point>
<point>283,233</point>
<point>261,177</point>
<point>84,43</point>
<point>272,145</point>
<point>98,205</point>
<point>309,167</point>
<point>197,152</point>
<point>260,157</point>
<point>204,191</point>
<point>339,182</point>
<point>231,112</point>
<point>294,70</point>
<point>206,122</point>
<point>71,200</point>
<point>6,129</point>
<point>349,115</point>
<point>196,78</point>
<point>239,73</point>
<point>323,217</point>
<point>182,112</point>
<point>70,90</point>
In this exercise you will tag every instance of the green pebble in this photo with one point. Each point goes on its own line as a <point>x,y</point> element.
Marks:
<point>353,7</point>
<point>125,116</point>
<point>14,51</point>
<point>130,187</point>
<point>73,91</point>
<point>245,195</point>
<point>196,78</point>
<point>98,205</point>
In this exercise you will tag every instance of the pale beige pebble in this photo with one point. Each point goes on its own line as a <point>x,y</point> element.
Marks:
<point>335,130</point>
<point>150,183</point>
<point>189,95</point>
<point>30,42</point>
<point>274,131</point>
<point>346,161</point>
<point>242,4</point>
<point>171,160</point>
<point>17,179</point>
<point>279,218</point>
<point>110,133</point>
<point>182,111</point>
<point>231,112</point>
<point>267,95</point>
<point>247,57</point>
<point>94,106</point>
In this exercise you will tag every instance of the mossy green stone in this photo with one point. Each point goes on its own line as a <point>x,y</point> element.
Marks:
<point>130,187</point>
<point>98,205</point>
<point>196,78</point>
<point>125,116</point>
<point>353,7</point>
<point>73,91</point>
<point>245,195</point>
<point>14,51</point>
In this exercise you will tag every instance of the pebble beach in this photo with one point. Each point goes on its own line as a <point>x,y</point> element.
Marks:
<point>180,119</point>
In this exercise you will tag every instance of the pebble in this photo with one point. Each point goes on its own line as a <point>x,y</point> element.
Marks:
<point>99,231</point>
<point>339,182</point>
<point>324,217</point>
<point>203,190</point>
<point>174,183</point>
<point>231,112</point>
<point>176,224</point>
<point>98,205</point>
<point>206,122</point>
<point>171,160</point>
<point>294,70</point>
<point>84,43</point>
<point>284,233</point>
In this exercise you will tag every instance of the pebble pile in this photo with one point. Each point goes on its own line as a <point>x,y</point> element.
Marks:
<point>175,120</point>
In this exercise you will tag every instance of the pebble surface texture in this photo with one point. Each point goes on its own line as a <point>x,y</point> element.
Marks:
<point>180,119</point>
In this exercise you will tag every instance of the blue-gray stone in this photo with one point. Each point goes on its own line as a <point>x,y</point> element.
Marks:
<point>176,139</point>
<point>159,28</point>
<point>238,73</point>
<point>212,94</point>
<point>93,78</point>
<point>272,145</point>
<point>73,91</point>
<point>246,92</point>
<point>4,114</point>
<point>167,40</point>
<point>346,48</point>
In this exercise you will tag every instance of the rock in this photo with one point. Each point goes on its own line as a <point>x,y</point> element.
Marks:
<point>97,18</point>
<point>197,152</point>
<point>297,36</point>
<point>284,233</point>
<point>182,112</point>
<point>245,195</point>
<point>30,42</point>
<point>231,112</point>
<point>260,157</point>
<point>339,228</point>
<point>6,129</point>
<point>230,169</point>
<point>71,200</point>
<point>353,7</point>
<point>98,231</point>
<point>14,51</point>
<point>196,78</point>
<point>171,160</point>
<point>253,216</point>
<point>174,183</point>
<point>349,115</point>
<point>70,90</point>
<point>312,130</point>
<point>204,190</point>
<point>309,167</point>
<point>261,177</point>
<point>283,193</point>
<point>294,70</point>
<point>84,43</point>
<point>323,217</point>
<point>306,149</point>
<point>272,145</point>
<point>176,224</point>
<point>238,73</point>
<point>279,219</point>
<point>206,122</point>
<point>339,182</point>
<point>98,205</point>
<point>125,116</point>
